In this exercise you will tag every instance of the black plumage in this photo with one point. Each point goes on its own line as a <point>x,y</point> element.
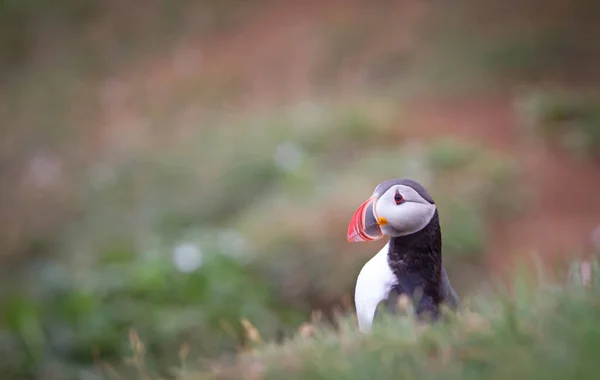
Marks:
<point>416,260</point>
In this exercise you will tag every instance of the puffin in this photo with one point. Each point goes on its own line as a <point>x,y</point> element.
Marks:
<point>410,263</point>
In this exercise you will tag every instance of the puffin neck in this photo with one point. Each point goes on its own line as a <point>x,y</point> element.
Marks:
<point>416,259</point>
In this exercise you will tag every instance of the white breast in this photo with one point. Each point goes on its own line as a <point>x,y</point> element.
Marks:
<point>373,285</point>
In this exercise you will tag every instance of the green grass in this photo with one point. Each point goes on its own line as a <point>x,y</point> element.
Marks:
<point>540,330</point>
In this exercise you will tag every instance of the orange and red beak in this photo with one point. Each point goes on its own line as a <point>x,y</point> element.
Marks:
<point>364,225</point>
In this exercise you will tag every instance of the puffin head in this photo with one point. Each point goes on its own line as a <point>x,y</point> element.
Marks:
<point>398,207</point>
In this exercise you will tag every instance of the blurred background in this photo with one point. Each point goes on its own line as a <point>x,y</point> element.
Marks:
<point>177,167</point>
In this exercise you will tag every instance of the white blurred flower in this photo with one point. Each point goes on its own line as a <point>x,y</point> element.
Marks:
<point>187,257</point>
<point>288,156</point>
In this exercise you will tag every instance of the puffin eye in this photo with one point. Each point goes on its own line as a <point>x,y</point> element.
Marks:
<point>398,198</point>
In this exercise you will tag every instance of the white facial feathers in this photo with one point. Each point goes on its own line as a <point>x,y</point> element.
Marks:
<point>407,217</point>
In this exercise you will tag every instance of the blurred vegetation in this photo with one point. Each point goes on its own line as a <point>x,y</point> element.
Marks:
<point>505,43</point>
<point>259,230</point>
<point>536,330</point>
<point>35,30</point>
<point>140,191</point>
<point>568,119</point>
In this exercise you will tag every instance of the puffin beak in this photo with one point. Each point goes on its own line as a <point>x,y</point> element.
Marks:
<point>365,226</point>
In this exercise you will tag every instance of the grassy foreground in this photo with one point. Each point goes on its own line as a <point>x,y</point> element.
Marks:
<point>531,332</point>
